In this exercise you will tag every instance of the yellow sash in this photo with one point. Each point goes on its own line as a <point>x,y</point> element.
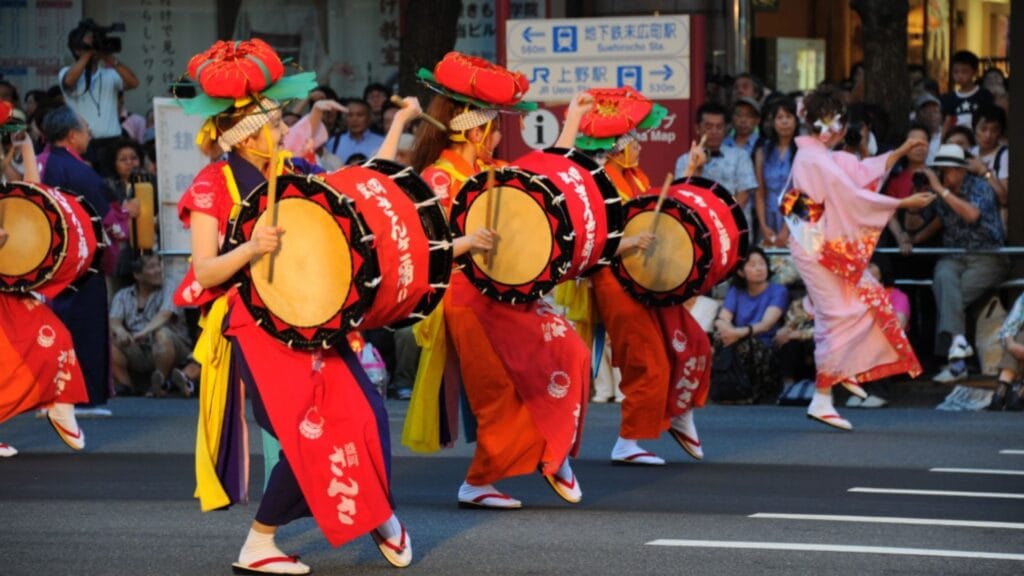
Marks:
<point>422,429</point>
<point>213,353</point>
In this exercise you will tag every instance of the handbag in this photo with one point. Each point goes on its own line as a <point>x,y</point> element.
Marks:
<point>986,336</point>
<point>729,379</point>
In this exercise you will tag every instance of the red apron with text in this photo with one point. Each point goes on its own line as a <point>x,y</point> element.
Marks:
<point>326,428</point>
<point>37,358</point>
<point>689,352</point>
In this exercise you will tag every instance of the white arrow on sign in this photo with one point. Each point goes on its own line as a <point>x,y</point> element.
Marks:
<point>540,129</point>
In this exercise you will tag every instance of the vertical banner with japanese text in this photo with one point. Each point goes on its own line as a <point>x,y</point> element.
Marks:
<point>178,160</point>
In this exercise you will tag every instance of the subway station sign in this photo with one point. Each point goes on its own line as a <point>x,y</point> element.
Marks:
<point>561,57</point>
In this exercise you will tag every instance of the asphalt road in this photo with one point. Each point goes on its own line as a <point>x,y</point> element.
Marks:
<point>125,507</point>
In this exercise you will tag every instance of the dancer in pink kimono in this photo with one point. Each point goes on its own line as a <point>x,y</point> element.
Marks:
<point>835,215</point>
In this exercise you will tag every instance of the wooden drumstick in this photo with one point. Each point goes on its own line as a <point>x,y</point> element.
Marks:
<point>657,212</point>
<point>492,202</point>
<point>272,204</point>
<point>397,101</point>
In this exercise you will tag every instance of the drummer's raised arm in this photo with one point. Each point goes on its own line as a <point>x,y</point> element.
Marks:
<point>580,105</point>
<point>28,160</point>
<point>409,111</point>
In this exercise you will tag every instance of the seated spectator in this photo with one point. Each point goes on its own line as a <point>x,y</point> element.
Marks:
<point>773,161</point>
<point>746,120</point>
<point>148,332</point>
<point>959,105</point>
<point>1011,366</point>
<point>749,319</point>
<point>968,216</point>
<point>730,167</point>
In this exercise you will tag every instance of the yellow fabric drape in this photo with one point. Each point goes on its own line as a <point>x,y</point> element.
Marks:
<point>422,429</point>
<point>577,298</point>
<point>213,353</point>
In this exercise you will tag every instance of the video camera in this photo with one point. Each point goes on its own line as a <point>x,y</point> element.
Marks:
<point>101,40</point>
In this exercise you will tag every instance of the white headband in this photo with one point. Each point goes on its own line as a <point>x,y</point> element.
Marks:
<point>471,119</point>
<point>249,125</point>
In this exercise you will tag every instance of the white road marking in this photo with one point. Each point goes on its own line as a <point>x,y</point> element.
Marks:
<point>978,471</point>
<point>836,548</point>
<point>1012,452</point>
<point>891,520</point>
<point>937,493</point>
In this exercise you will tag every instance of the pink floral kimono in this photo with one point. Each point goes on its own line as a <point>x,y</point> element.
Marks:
<point>836,215</point>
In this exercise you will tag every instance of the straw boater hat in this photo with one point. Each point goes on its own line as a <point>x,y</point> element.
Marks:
<point>231,75</point>
<point>616,118</point>
<point>484,87</point>
<point>949,156</point>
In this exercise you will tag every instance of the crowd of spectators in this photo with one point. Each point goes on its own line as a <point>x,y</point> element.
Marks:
<point>966,164</point>
<point>88,141</point>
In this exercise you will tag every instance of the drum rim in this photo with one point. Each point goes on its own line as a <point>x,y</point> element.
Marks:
<point>420,191</point>
<point>92,265</point>
<point>725,195</point>
<point>508,293</point>
<point>700,264</point>
<point>362,279</point>
<point>101,239</point>
<point>615,214</point>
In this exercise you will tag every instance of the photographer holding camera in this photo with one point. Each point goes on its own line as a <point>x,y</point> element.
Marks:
<point>91,84</point>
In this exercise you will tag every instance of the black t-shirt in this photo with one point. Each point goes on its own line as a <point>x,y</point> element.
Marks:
<point>963,107</point>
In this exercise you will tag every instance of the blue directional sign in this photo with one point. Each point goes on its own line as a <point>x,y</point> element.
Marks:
<point>564,40</point>
<point>529,35</point>
<point>560,57</point>
<point>555,81</point>
<point>626,37</point>
<point>631,76</point>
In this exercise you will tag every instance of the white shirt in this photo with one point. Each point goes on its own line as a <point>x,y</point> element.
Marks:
<point>98,105</point>
<point>990,161</point>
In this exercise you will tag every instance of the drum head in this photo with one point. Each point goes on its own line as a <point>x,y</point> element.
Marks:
<point>669,263</point>
<point>679,260</point>
<point>324,275</point>
<point>525,244</point>
<point>29,236</point>
<point>535,234</point>
<point>55,239</point>
<point>312,272</point>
